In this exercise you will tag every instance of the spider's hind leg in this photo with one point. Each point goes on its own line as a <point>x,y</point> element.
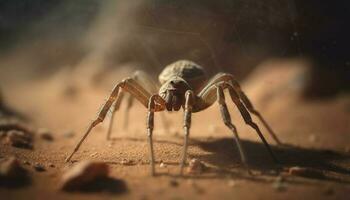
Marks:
<point>252,110</point>
<point>228,122</point>
<point>248,119</point>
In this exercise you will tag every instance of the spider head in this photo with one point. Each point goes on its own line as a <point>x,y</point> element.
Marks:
<point>173,92</point>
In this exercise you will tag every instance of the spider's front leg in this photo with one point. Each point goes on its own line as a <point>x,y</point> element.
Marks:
<point>128,85</point>
<point>189,102</point>
<point>150,125</point>
<point>142,78</point>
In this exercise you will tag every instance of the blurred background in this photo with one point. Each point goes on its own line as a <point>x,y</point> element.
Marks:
<point>93,37</point>
<point>59,59</point>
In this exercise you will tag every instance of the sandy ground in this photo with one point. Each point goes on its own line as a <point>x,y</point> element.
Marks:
<point>317,133</point>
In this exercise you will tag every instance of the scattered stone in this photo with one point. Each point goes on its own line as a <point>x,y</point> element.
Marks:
<point>52,165</point>
<point>173,183</point>
<point>11,168</point>
<point>26,162</point>
<point>19,139</point>
<point>83,174</point>
<point>12,173</point>
<point>127,162</point>
<point>39,167</point>
<point>45,134</point>
<point>196,166</point>
<point>279,184</point>
<point>94,155</point>
<point>305,172</point>
<point>162,165</point>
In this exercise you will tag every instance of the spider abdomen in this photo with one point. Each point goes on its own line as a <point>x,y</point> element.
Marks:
<point>191,72</point>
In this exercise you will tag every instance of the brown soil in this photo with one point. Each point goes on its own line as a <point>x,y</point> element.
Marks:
<point>317,134</point>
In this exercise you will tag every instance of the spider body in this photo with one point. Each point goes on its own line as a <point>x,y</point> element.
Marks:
<point>183,84</point>
<point>176,79</point>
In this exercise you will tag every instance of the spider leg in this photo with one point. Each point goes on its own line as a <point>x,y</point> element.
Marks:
<point>129,85</point>
<point>252,110</point>
<point>189,96</point>
<point>230,78</point>
<point>130,102</point>
<point>225,114</point>
<point>247,118</point>
<point>214,92</point>
<point>209,95</point>
<point>150,127</point>
<point>145,79</point>
<point>115,108</point>
<point>142,78</point>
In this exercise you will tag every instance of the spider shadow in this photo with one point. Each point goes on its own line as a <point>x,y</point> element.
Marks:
<point>223,154</point>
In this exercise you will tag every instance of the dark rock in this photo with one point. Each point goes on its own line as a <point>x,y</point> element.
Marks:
<point>173,183</point>
<point>306,172</point>
<point>45,135</point>
<point>19,139</point>
<point>83,174</point>
<point>12,174</point>
<point>39,167</point>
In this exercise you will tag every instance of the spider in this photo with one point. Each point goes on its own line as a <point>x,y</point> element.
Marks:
<point>184,84</point>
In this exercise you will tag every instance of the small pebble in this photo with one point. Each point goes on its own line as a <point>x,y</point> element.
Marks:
<point>127,162</point>
<point>52,165</point>
<point>305,172</point>
<point>94,155</point>
<point>39,167</point>
<point>162,165</point>
<point>45,134</point>
<point>26,162</point>
<point>196,166</point>
<point>173,183</point>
